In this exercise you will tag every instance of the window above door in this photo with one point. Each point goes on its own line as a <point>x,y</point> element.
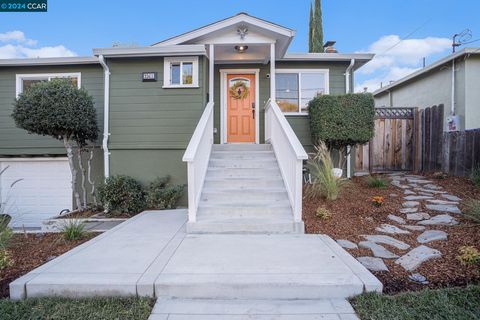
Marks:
<point>180,72</point>
<point>295,88</point>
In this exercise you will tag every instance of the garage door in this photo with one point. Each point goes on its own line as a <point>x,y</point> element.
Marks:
<point>41,189</point>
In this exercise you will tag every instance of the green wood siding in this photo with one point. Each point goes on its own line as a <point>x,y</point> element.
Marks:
<point>143,115</point>
<point>15,141</point>
<point>300,124</point>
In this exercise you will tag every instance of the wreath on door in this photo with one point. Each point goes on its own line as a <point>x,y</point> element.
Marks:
<point>239,90</point>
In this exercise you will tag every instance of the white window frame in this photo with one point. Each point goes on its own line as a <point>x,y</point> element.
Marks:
<point>49,76</point>
<point>326,73</point>
<point>167,63</point>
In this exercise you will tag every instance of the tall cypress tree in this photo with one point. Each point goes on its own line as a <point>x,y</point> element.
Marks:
<point>317,30</point>
<point>310,30</point>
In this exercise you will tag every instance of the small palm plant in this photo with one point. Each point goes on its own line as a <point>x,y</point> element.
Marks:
<point>324,182</point>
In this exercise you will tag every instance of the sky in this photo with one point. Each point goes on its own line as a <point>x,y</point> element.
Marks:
<point>400,32</point>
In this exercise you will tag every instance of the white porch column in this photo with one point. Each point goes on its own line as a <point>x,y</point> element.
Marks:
<point>272,72</point>
<point>211,69</point>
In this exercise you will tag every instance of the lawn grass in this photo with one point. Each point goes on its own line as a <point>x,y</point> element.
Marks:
<point>445,304</point>
<point>76,309</point>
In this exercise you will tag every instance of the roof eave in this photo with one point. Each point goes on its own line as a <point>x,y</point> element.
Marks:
<point>48,61</point>
<point>177,50</point>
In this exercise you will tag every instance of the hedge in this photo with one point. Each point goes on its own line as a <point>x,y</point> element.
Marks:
<point>341,120</point>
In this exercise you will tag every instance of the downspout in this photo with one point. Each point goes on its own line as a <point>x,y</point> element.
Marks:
<point>106,112</point>
<point>348,90</point>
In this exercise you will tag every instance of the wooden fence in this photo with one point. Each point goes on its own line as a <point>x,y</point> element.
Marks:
<point>415,141</point>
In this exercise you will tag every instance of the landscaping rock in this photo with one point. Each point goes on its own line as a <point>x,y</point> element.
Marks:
<point>408,210</point>
<point>414,228</point>
<point>418,216</point>
<point>444,208</point>
<point>418,278</point>
<point>398,184</point>
<point>408,191</point>
<point>397,219</point>
<point>432,186</point>
<point>387,240</point>
<point>451,198</point>
<point>417,197</point>
<point>432,235</point>
<point>444,202</point>
<point>410,204</point>
<point>430,191</point>
<point>419,181</point>
<point>415,257</point>
<point>347,244</point>
<point>388,228</point>
<point>377,250</point>
<point>373,264</point>
<point>426,193</point>
<point>441,219</point>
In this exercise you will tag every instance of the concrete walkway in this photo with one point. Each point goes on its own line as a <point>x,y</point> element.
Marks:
<point>150,255</point>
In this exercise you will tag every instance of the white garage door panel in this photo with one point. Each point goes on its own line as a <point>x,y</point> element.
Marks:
<point>43,191</point>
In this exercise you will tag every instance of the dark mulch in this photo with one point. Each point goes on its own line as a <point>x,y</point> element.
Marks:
<point>29,251</point>
<point>353,215</point>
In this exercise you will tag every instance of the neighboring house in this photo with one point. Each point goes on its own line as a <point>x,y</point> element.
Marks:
<point>452,81</point>
<point>209,85</point>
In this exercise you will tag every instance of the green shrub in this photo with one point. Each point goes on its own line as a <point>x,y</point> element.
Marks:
<point>475,175</point>
<point>324,183</point>
<point>469,255</point>
<point>376,182</point>
<point>162,195</point>
<point>472,210</point>
<point>122,194</point>
<point>4,221</point>
<point>342,120</point>
<point>5,259</point>
<point>73,230</point>
<point>323,213</point>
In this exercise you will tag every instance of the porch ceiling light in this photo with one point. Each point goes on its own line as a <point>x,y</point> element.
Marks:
<point>241,48</point>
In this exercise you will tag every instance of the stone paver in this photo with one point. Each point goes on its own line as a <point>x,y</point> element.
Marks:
<point>432,235</point>
<point>347,244</point>
<point>417,216</point>
<point>408,192</point>
<point>430,191</point>
<point>414,228</point>
<point>444,202</point>
<point>443,208</point>
<point>451,197</point>
<point>408,210</point>
<point>409,198</point>
<point>377,250</point>
<point>397,219</point>
<point>415,257</point>
<point>442,220</point>
<point>387,240</point>
<point>432,186</point>
<point>373,264</point>
<point>410,204</point>
<point>391,229</point>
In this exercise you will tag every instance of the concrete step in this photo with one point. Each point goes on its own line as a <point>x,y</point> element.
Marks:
<point>243,172</point>
<point>216,309</point>
<point>258,286</point>
<point>246,226</point>
<point>242,163</point>
<point>251,196</point>
<point>243,182</point>
<point>242,147</point>
<point>244,209</point>
<point>244,155</point>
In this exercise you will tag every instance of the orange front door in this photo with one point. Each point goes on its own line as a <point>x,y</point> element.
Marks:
<point>240,108</point>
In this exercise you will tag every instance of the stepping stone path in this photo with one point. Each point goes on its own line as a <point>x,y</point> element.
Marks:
<point>432,186</point>
<point>387,240</point>
<point>347,244</point>
<point>417,216</point>
<point>441,220</point>
<point>430,191</point>
<point>397,219</point>
<point>377,250</point>
<point>443,208</point>
<point>417,197</point>
<point>408,210</point>
<point>432,235</point>
<point>415,257</point>
<point>450,197</point>
<point>410,204</point>
<point>373,264</point>
<point>388,228</point>
<point>445,202</point>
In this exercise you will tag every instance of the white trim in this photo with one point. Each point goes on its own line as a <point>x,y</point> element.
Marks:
<point>326,72</point>
<point>273,89</point>
<point>168,61</point>
<point>211,72</point>
<point>19,77</point>
<point>48,61</point>
<point>223,101</point>
<point>179,50</point>
<point>33,159</point>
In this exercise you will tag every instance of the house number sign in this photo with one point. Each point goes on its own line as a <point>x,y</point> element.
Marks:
<point>149,76</point>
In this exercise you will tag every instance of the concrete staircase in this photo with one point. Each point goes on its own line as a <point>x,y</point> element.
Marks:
<point>244,192</point>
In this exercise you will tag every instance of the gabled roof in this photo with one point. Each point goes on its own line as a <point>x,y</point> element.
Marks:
<point>439,63</point>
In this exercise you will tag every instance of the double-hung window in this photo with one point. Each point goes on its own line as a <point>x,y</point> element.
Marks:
<point>180,72</point>
<point>296,88</point>
<point>25,81</point>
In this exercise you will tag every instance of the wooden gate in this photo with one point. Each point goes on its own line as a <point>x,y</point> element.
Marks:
<point>392,148</point>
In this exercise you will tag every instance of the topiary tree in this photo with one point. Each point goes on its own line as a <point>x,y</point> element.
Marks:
<point>342,120</point>
<point>60,110</point>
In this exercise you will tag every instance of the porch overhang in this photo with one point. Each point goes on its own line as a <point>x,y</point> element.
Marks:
<point>176,50</point>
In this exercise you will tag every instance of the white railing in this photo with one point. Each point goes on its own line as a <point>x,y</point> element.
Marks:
<point>289,152</point>
<point>197,157</point>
